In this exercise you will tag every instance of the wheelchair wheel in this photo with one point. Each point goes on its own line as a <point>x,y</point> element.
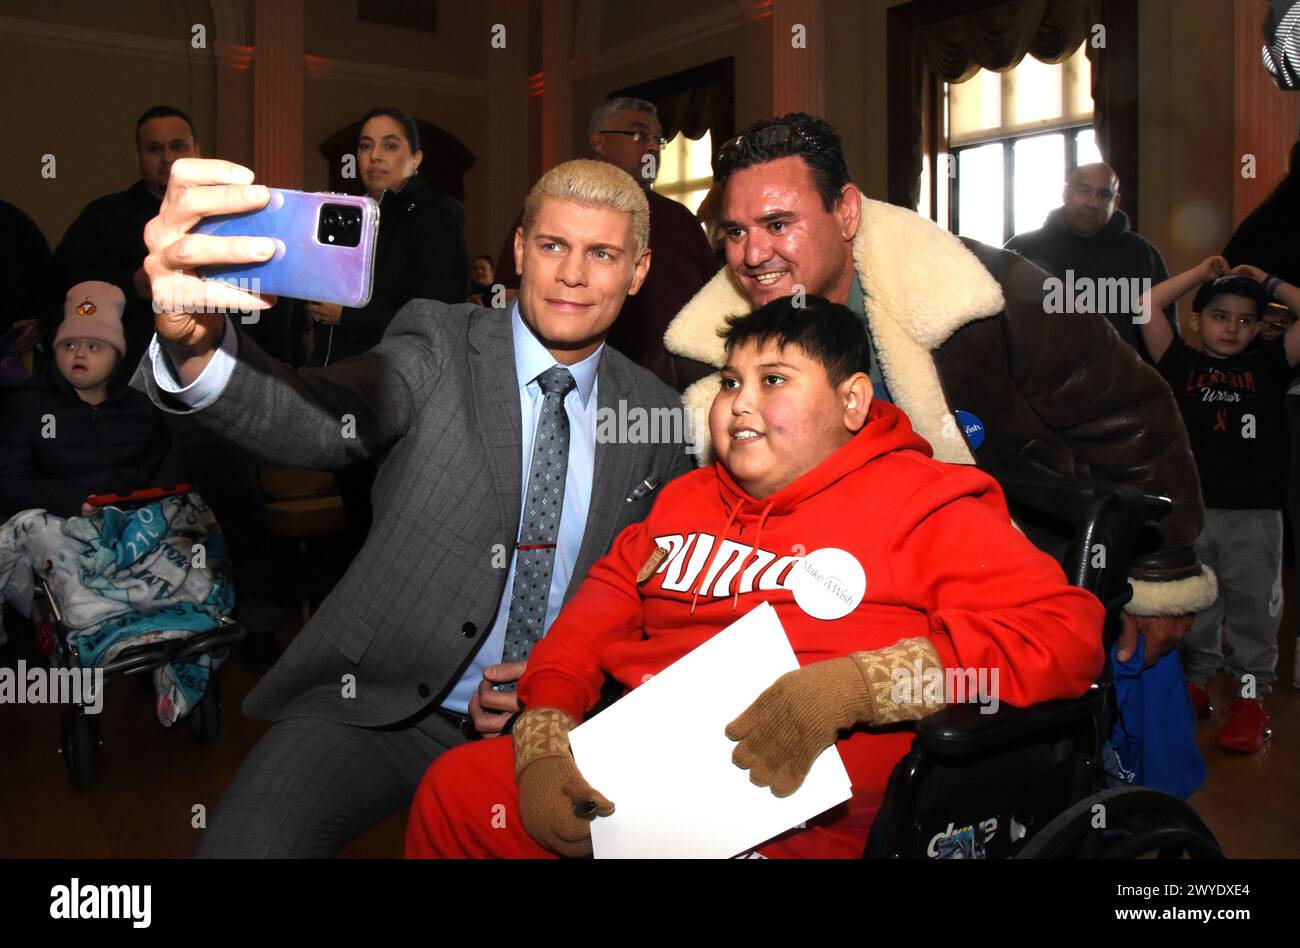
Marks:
<point>79,747</point>
<point>1127,823</point>
<point>205,717</point>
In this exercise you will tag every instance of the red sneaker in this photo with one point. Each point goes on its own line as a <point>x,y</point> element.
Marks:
<point>1248,726</point>
<point>1200,700</point>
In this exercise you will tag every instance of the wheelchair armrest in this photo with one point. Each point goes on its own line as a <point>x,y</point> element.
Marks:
<point>962,731</point>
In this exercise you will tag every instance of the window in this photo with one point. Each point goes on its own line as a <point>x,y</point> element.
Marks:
<point>686,169</point>
<point>1013,137</point>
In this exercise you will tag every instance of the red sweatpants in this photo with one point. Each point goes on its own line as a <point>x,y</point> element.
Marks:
<point>468,807</point>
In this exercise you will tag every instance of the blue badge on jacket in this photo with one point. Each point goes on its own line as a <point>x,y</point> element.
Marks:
<point>973,427</point>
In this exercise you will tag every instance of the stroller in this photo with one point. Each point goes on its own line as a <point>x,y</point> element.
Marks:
<point>142,586</point>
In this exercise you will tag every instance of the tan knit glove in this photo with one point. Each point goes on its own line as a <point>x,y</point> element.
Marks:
<point>801,715</point>
<point>550,786</point>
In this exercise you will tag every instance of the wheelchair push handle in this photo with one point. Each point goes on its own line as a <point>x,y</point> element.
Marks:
<point>136,497</point>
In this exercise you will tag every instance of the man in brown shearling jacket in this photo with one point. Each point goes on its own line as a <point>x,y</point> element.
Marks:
<point>955,326</point>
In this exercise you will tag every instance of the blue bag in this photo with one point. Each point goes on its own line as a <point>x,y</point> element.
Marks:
<point>1155,736</point>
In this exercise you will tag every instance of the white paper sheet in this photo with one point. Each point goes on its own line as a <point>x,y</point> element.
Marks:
<point>662,756</point>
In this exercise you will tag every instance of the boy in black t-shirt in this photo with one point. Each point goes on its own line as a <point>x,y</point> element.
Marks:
<point>1231,400</point>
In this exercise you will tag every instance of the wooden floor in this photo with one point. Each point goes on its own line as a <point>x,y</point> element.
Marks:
<point>151,778</point>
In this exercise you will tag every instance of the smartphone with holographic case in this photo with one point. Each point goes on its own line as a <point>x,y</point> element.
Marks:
<point>325,247</point>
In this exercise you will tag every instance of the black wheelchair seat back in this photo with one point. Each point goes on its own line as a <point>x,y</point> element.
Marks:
<point>978,785</point>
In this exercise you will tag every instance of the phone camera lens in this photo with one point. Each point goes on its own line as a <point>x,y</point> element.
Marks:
<point>340,225</point>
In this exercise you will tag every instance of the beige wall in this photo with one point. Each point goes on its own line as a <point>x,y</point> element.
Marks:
<point>460,46</point>
<point>874,178</point>
<point>624,22</point>
<point>160,18</point>
<point>1185,110</point>
<point>83,113</point>
<point>747,41</point>
<point>99,65</point>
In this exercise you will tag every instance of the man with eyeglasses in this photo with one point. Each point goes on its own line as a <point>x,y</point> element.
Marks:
<point>1087,243</point>
<point>626,132</point>
<point>960,341</point>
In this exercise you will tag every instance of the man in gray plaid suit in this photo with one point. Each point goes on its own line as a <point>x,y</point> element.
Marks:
<point>496,490</point>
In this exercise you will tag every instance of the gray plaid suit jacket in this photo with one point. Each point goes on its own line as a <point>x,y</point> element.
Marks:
<point>436,402</point>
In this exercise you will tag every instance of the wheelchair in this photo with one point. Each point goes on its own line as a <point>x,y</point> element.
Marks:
<point>80,742</point>
<point>1029,782</point>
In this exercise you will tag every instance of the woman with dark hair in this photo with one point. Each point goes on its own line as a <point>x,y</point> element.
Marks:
<point>420,252</point>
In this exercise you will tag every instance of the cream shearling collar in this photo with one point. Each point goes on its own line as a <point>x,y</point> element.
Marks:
<point>921,285</point>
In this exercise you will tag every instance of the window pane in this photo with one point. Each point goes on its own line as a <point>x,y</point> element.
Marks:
<point>1037,91</point>
<point>975,104</point>
<point>1040,176</point>
<point>923,204</point>
<point>700,156</point>
<point>979,200</point>
<point>1088,153</point>
<point>1082,104</point>
<point>672,161</point>
<point>692,199</point>
<point>686,169</point>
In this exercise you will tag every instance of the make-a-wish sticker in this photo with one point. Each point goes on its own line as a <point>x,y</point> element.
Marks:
<point>828,583</point>
<point>972,427</point>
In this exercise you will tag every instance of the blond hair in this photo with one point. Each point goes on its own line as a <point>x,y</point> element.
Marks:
<point>595,184</point>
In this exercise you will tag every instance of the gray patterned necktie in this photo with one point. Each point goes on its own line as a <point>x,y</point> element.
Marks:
<point>540,526</point>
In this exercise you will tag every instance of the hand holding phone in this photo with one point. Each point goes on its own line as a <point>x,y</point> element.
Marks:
<point>324,247</point>
<point>189,312</point>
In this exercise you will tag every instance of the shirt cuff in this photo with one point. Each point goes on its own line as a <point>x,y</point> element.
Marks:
<point>205,389</point>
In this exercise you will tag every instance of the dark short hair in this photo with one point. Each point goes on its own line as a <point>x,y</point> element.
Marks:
<point>409,129</point>
<point>797,135</point>
<point>484,256</point>
<point>1231,285</point>
<point>830,333</point>
<point>161,111</point>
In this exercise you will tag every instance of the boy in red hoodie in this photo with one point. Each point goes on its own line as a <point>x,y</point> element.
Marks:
<point>806,461</point>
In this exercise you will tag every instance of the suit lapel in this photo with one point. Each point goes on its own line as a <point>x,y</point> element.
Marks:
<point>496,404</point>
<point>614,474</point>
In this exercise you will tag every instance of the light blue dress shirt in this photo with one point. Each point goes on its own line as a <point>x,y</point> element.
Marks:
<point>531,360</point>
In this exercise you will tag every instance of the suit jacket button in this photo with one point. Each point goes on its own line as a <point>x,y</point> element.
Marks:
<point>423,690</point>
<point>469,629</point>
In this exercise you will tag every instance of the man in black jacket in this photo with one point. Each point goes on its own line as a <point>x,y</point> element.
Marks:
<point>106,241</point>
<point>1087,241</point>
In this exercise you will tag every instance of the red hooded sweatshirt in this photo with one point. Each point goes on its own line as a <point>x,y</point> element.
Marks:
<point>941,557</point>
